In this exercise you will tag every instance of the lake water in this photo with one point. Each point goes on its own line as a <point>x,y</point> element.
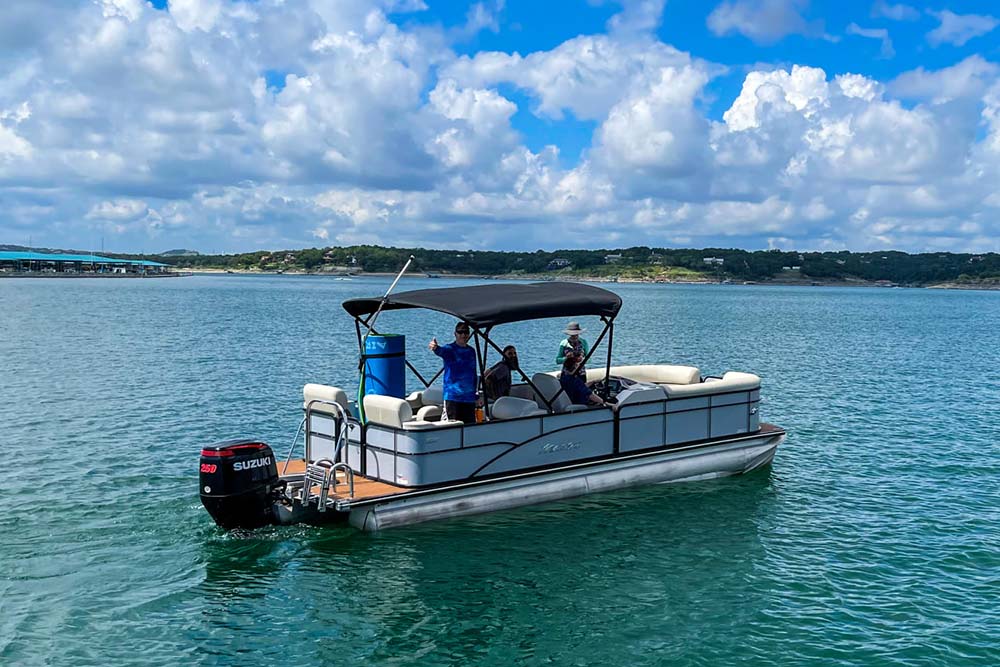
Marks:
<point>874,539</point>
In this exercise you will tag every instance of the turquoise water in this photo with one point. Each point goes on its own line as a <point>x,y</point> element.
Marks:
<point>874,539</point>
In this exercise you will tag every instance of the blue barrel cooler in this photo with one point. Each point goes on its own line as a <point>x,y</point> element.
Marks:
<point>385,365</point>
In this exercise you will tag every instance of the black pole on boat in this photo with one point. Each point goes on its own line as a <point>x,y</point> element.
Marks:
<point>481,360</point>
<point>607,365</point>
<point>370,324</point>
<point>385,297</point>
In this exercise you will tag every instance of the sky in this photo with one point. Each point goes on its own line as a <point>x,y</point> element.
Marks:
<point>240,125</point>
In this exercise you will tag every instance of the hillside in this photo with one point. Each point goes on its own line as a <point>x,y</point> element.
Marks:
<point>638,263</point>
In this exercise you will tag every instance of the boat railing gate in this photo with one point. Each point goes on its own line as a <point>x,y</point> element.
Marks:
<point>341,424</point>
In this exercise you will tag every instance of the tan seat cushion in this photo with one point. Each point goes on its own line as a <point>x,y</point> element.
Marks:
<point>429,413</point>
<point>731,381</point>
<point>387,410</point>
<point>655,373</point>
<point>432,395</point>
<point>322,392</point>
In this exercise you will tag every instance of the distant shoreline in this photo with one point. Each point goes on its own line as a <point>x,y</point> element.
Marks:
<point>788,282</point>
<point>804,282</point>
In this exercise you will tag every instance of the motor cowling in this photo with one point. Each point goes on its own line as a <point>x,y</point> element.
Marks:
<point>238,479</point>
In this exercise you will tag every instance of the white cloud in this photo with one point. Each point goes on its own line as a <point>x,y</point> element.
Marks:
<point>232,126</point>
<point>637,16</point>
<point>880,34</point>
<point>968,79</point>
<point>894,12</point>
<point>118,210</point>
<point>585,75</point>
<point>477,125</point>
<point>13,145</point>
<point>481,16</point>
<point>195,14</point>
<point>804,89</point>
<point>763,21</point>
<point>130,10</point>
<point>957,29</point>
<point>852,164</point>
<point>657,130</point>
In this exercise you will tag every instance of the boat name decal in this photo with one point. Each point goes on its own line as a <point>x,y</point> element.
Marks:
<point>253,463</point>
<point>553,447</point>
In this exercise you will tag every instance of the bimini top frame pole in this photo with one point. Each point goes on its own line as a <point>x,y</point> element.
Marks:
<point>370,325</point>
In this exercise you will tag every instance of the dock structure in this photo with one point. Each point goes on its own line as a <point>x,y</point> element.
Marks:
<point>43,263</point>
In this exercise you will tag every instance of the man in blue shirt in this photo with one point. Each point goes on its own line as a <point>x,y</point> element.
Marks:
<point>459,375</point>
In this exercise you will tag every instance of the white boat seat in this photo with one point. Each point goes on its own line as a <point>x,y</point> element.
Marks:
<point>429,413</point>
<point>387,410</point>
<point>432,395</point>
<point>397,413</point>
<point>509,407</point>
<point>731,381</point>
<point>549,387</point>
<point>322,392</point>
<point>523,391</point>
<point>654,373</point>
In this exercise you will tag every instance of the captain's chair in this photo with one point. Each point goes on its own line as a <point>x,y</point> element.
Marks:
<point>550,387</point>
<point>428,403</point>
<point>511,407</point>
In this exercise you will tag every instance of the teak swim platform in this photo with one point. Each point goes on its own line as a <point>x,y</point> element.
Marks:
<point>394,461</point>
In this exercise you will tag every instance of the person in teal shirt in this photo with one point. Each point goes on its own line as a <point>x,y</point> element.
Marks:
<point>459,375</point>
<point>575,343</point>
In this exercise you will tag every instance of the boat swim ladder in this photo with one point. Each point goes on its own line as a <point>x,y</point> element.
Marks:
<point>323,473</point>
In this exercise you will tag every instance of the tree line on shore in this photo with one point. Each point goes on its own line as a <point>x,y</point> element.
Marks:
<point>716,263</point>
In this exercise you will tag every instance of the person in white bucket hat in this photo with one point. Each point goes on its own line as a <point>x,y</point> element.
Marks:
<point>575,343</point>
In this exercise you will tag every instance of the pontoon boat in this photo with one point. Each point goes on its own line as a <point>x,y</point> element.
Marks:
<point>387,460</point>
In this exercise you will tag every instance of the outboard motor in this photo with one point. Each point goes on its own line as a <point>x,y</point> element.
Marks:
<point>238,482</point>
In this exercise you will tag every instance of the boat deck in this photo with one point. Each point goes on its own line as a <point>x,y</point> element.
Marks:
<point>364,488</point>
<point>367,489</point>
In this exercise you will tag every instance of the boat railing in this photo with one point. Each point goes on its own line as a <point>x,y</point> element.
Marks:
<point>340,418</point>
<point>291,448</point>
<point>348,476</point>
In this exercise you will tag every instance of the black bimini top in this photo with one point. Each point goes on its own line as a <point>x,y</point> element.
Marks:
<point>488,305</point>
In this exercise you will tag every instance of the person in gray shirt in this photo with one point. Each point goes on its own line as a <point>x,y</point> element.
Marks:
<point>498,377</point>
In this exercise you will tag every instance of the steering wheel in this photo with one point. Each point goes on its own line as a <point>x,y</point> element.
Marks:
<point>605,388</point>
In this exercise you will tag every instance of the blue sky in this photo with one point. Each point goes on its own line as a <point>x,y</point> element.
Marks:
<point>225,125</point>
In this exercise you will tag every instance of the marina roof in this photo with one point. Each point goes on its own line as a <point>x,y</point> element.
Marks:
<point>7,256</point>
<point>489,305</point>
